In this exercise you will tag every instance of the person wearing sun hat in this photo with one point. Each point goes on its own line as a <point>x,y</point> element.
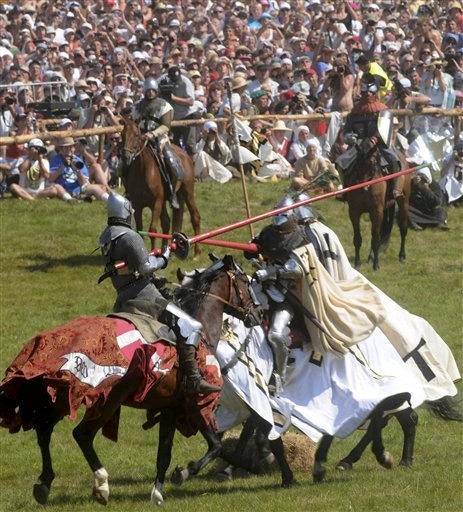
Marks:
<point>69,171</point>
<point>280,138</point>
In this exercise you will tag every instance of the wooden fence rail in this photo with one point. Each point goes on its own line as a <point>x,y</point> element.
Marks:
<point>88,132</point>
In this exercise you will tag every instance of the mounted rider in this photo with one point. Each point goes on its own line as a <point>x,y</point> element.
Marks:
<point>155,116</point>
<point>369,126</point>
<point>138,297</point>
<point>296,279</point>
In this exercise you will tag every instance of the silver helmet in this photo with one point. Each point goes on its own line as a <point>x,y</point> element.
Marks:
<point>150,83</point>
<point>303,213</point>
<point>281,218</point>
<point>120,208</point>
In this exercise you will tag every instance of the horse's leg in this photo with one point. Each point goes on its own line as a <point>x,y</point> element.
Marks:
<point>165,224</point>
<point>44,430</point>
<point>403,225</point>
<point>138,216</point>
<point>214,447</point>
<point>376,218</point>
<point>166,439</point>
<point>354,455</point>
<point>408,420</point>
<point>195,217</point>
<point>357,240</point>
<point>177,215</point>
<point>235,460</point>
<point>278,450</point>
<point>86,430</point>
<point>321,455</point>
<point>159,204</point>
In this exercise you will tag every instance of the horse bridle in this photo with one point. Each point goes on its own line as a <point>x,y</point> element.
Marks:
<point>129,157</point>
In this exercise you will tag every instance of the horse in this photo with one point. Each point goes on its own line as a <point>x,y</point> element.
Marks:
<point>54,374</point>
<point>191,297</point>
<point>374,201</point>
<point>144,185</point>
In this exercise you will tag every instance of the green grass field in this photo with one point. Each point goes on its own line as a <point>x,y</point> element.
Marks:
<point>49,275</point>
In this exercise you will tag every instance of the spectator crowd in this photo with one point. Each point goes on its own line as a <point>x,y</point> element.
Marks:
<point>276,57</point>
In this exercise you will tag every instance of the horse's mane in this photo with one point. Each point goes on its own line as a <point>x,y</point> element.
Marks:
<point>190,296</point>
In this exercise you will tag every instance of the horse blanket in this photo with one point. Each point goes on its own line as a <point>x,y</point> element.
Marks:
<point>87,356</point>
<point>323,393</point>
<point>326,392</point>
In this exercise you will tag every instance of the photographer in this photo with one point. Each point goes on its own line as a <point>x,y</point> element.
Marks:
<point>435,82</point>
<point>7,116</point>
<point>341,81</point>
<point>179,91</point>
<point>72,174</point>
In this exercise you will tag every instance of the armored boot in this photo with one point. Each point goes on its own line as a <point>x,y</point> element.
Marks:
<point>192,381</point>
<point>175,172</point>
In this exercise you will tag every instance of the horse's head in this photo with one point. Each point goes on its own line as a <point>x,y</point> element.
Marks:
<point>132,143</point>
<point>224,282</point>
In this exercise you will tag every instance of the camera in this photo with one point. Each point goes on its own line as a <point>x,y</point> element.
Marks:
<point>10,101</point>
<point>166,87</point>
<point>77,164</point>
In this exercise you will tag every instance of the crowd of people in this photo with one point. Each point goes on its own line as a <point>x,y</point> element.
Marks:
<point>208,59</point>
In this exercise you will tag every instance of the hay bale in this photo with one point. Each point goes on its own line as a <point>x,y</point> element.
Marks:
<point>299,452</point>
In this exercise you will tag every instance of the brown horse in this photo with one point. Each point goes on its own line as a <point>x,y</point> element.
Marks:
<point>83,363</point>
<point>144,186</point>
<point>375,201</point>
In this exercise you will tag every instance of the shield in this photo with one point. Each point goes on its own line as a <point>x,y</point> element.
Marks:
<point>385,124</point>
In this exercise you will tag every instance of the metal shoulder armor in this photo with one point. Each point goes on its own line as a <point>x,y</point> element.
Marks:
<point>110,234</point>
<point>290,270</point>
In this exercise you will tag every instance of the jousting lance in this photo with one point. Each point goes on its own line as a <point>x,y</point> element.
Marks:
<point>181,244</point>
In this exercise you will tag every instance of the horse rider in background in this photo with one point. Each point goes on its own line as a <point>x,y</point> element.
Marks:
<point>154,116</point>
<point>369,127</point>
<point>137,295</point>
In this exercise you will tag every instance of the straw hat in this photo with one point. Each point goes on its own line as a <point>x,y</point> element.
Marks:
<point>280,126</point>
<point>239,82</point>
<point>66,141</point>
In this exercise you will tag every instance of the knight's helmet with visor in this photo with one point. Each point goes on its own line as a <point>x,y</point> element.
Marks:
<point>120,209</point>
<point>302,213</point>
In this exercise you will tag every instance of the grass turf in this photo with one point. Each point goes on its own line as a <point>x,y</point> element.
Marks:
<point>48,276</point>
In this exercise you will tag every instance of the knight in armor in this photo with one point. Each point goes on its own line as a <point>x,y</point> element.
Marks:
<point>288,231</point>
<point>155,115</point>
<point>369,126</point>
<point>136,291</point>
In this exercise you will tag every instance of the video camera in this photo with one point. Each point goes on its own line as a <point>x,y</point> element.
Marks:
<point>166,87</point>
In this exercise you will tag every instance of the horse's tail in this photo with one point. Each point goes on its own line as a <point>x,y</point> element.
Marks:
<point>446,408</point>
<point>388,222</point>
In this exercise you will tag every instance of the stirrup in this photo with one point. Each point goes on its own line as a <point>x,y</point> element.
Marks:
<point>276,387</point>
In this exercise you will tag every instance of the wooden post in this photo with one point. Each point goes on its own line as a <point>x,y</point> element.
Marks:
<point>237,156</point>
<point>101,141</point>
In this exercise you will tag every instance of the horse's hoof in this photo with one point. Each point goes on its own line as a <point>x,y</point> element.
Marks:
<point>101,497</point>
<point>287,482</point>
<point>179,475</point>
<point>318,473</point>
<point>41,492</point>
<point>386,460</point>
<point>402,259</point>
<point>343,465</point>
<point>156,497</point>
<point>376,267</point>
<point>406,463</point>
<point>225,475</point>
<point>101,487</point>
